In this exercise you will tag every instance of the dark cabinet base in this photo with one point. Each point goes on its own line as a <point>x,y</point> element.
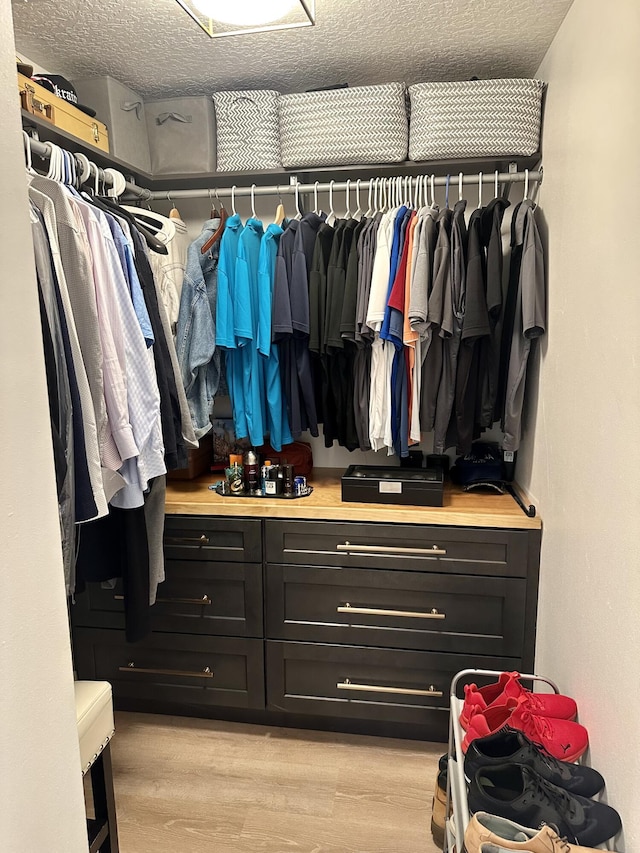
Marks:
<point>190,671</point>
<point>338,626</point>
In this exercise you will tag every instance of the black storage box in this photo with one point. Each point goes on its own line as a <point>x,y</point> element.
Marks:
<point>405,486</point>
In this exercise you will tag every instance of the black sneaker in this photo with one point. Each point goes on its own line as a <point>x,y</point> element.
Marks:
<point>517,793</point>
<point>510,746</point>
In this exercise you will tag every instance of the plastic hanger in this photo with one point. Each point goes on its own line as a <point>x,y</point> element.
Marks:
<point>315,198</point>
<point>460,178</point>
<point>347,214</point>
<point>446,192</point>
<point>298,211</point>
<point>479,189</point>
<point>84,172</point>
<point>433,190</point>
<point>526,185</point>
<point>280,213</point>
<point>253,201</point>
<point>233,200</point>
<point>331,217</point>
<point>27,151</point>
<point>368,211</point>
<point>358,213</point>
<point>496,183</point>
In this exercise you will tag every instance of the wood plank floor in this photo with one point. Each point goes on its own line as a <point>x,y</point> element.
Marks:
<point>189,786</point>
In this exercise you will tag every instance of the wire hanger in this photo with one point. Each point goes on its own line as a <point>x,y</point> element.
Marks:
<point>479,189</point>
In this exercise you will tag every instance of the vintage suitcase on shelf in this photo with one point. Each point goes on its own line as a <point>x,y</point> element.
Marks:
<point>182,135</point>
<point>123,112</point>
<point>40,102</point>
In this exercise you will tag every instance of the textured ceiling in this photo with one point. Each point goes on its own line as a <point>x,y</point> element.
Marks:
<point>153,46</point>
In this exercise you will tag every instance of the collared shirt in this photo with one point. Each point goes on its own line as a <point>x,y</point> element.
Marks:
<point>141,387</point>
<point>91,446</point>
<point>198,355</point>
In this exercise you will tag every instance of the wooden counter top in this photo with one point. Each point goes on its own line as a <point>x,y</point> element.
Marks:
<point>461,509</point>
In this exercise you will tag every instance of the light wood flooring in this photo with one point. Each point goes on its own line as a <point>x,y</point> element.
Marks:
<point>194,786</point>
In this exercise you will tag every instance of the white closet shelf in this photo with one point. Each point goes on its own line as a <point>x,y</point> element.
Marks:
<point>49,133</point>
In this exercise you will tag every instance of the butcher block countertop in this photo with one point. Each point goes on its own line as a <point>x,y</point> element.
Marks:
<point>461,509</point>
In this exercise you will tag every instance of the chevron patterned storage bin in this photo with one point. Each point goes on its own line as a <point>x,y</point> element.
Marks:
<point>247,132</point>
<point>475,118</point>
<point>344,127</point>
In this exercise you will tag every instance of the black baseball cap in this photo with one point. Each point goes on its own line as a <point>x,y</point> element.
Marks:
<point>61,87</point>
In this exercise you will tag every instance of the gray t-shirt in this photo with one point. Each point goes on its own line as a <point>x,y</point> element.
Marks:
<point>530,320</point>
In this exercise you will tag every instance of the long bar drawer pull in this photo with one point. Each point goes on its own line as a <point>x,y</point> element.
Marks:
<point>161,600</point>
<point>375,611</point>
<point>186,540</point>
<point>392,549</point>
<point>399,691</point>
<point>182,673</point>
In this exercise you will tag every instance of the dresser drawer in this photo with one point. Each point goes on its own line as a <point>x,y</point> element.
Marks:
<point>460,550</point>
<point>408,610</point>
<point>195,598</point>
<point>364,683</point>
<point>221,540</point>
<point>174,668</point>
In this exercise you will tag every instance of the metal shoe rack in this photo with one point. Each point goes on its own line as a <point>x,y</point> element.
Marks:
<point>457,822</point>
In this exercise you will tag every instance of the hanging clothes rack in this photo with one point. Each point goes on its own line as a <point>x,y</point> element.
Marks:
<point>488,178</point>
<point>43,150</point>
<point>134,192</point>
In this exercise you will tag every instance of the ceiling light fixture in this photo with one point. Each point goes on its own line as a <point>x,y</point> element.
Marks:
<point>220,18</point>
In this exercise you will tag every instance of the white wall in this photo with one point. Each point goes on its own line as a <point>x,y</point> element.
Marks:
<point>41,796</point>
<point>583,467</point>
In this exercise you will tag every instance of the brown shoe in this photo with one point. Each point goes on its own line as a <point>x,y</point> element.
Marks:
<point>439,809</point>
<point>487,833</point>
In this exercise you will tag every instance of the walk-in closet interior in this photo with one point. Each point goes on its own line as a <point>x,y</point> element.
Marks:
<point>319,371</point>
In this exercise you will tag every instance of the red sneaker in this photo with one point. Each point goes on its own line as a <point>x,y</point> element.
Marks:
<point>563,739</point>
<point>508,686</point>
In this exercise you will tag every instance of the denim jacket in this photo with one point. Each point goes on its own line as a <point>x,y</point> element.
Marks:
<point>196,329</point>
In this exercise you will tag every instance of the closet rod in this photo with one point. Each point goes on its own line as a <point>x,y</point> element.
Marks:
<point>42,149</point>
<point>488,178</point>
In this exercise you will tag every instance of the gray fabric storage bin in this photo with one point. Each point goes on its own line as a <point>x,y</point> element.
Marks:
<point>247,135</point>
<point>344,127</point>
<point>475,118</point>
<point>182,135</point>
<point>122,110</point>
